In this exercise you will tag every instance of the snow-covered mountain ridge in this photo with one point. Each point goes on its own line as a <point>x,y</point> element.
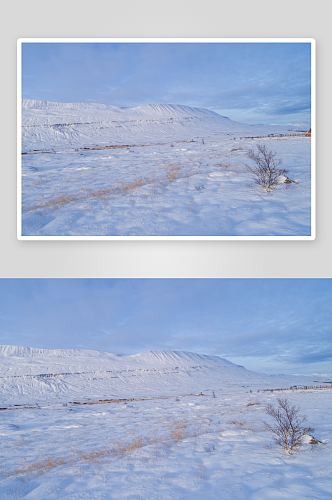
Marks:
<point>60,126</point>
<point>41,374</point>
<point>66,373</point>
<point>13,350</point>
<point>147,109</point>
<point>158,359</point>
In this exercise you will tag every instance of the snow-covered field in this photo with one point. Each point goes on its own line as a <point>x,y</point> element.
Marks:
<point>85,424</point>
<point>156,170</point>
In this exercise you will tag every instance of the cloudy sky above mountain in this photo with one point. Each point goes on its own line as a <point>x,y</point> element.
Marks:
<point>268,325</point>
<point>249,82</point>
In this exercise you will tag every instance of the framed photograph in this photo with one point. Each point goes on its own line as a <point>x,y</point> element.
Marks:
<point>166,139</point>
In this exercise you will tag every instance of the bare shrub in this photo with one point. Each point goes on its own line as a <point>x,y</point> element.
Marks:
<point>289,425</point>
<point>266,171</point>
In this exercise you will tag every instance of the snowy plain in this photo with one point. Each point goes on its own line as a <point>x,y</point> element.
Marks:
<point>94,170</point>
<point>79,424</point>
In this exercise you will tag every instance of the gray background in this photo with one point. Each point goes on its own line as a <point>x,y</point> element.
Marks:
<point>160,18</point>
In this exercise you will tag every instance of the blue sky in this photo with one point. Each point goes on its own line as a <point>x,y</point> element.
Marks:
<point>268,325</point>
<point>248,82</point>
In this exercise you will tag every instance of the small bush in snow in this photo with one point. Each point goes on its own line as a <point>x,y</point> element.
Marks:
<point>266,171</point>
<point>289,426</point>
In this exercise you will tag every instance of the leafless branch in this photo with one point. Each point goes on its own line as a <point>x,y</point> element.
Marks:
<point>289,425</point>
<point>266,171</point>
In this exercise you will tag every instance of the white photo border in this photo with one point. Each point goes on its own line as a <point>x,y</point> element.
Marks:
<point>312,41</point>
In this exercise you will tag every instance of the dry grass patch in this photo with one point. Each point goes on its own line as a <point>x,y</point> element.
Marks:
<point>173,172</point>
<point>165,173</point>
<point>173,432</point>
<point>254,403</point>
<point>239,424</point>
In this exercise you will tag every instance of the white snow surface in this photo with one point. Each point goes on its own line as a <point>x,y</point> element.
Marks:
<point>155,170</point>
<point>170,424</point>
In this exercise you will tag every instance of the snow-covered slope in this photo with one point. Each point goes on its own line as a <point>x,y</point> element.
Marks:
<point>148,109</point>
<point>173,110</point>
<point>36,104</point>
<point>20,361</point>
<point>39,374</point>
<point>28,352</point>
<point>48,125</point>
